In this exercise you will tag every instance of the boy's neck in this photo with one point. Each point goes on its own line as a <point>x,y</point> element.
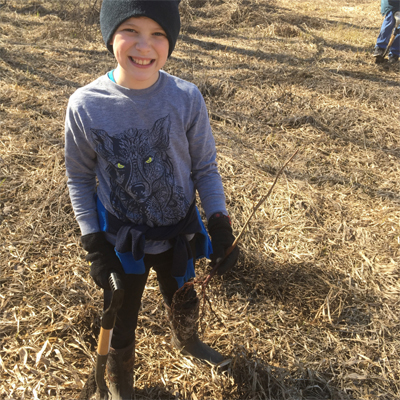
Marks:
<point>123,79</point>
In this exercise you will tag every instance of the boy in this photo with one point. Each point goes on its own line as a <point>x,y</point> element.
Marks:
<point>146,137</point>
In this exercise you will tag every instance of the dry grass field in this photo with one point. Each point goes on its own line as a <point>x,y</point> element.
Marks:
<point>312,309</point>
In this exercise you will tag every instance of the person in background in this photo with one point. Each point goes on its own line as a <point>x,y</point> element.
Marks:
<point>388,9</point>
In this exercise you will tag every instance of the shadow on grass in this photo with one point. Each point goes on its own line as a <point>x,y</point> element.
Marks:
<point>252,378</point>
<point>25,66</point>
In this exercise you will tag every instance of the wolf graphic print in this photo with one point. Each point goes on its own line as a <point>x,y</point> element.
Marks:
<point>143,188</point>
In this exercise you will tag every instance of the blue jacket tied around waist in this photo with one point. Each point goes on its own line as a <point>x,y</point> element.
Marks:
<point>131,239</point>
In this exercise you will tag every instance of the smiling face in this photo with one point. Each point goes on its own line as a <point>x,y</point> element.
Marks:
<point>141,49</point>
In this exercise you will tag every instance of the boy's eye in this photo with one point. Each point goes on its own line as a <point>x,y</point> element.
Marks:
<point>159,34</point>
<point>149,160</point>
<point>120,166</point>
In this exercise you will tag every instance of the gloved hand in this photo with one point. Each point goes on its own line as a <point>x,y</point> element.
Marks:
<point>101,258</point>
<point>220,230</point>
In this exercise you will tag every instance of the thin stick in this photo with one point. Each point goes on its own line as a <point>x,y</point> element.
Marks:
<point>255,208</point>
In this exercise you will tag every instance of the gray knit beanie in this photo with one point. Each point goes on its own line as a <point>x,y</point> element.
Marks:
<point>164,12</point>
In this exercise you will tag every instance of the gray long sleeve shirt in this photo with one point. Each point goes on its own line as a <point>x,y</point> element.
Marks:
<point>150,150</point>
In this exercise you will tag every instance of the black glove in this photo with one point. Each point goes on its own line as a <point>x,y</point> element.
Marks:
<point>101,258</point>
<point>220,230</point>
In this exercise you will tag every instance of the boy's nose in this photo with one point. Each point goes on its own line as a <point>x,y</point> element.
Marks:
<point>142,44</point>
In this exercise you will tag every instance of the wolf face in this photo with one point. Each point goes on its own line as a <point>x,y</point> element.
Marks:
<point>141,174</point>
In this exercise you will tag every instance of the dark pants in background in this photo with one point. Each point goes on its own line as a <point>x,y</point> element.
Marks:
<point>385,34</point>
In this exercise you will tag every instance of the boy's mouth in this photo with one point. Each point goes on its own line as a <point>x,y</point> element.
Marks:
<point>141,62</point>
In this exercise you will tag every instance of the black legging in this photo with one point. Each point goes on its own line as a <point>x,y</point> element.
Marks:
<point>126,322</point>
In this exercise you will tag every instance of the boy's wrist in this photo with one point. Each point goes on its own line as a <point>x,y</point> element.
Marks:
<point>219,216</point>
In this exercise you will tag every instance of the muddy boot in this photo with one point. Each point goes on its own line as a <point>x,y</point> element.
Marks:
<point>378,54</point>
<point>183,316</point>
<point>120,364</point>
